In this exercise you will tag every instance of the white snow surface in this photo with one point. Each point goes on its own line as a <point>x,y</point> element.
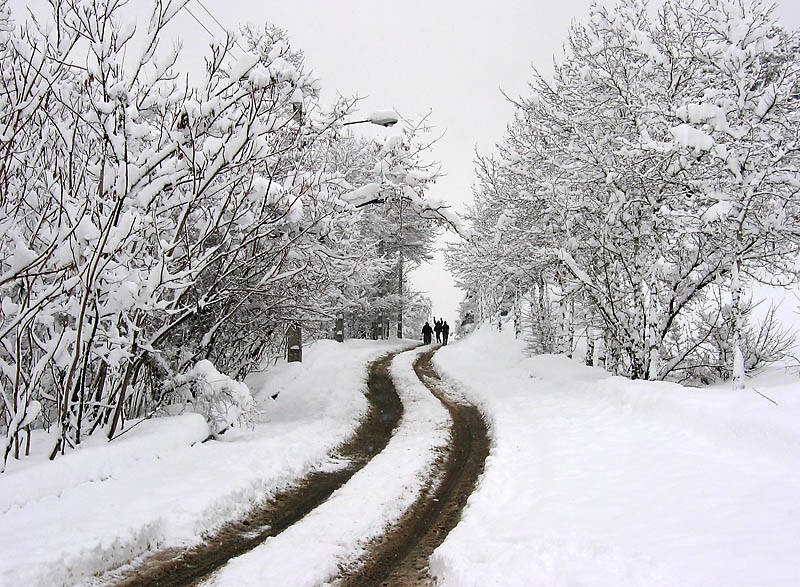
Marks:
<point>599,480</point>
<point>688,136</point>
<point>383,117</point>
<point>335,533</point>
<point>159,486</point>
<point>591,479</point>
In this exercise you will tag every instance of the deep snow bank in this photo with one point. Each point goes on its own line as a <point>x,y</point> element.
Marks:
<point>158,486</point>
<point>598,480</point>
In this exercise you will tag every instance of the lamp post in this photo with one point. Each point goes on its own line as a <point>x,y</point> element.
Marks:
<point>400,274</point>
<point>384,118</point>
<point>400,295</point>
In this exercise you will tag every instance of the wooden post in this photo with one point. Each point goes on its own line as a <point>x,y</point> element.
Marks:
<point>339,333</point>
<point>294,336</point>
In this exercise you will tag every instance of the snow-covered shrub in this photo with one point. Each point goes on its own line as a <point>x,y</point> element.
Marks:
<point>708,339</point>
<point>222,401</point>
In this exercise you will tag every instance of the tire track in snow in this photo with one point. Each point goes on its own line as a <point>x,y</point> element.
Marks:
<point>400,557</point>
<point>173,567</point>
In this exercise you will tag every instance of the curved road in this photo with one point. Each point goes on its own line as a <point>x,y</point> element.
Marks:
<point>400,556</point>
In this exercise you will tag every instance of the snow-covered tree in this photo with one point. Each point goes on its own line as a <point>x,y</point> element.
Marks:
<point>741,126</point>
<point>150,224</point>
<point>396,224</point>
<point>660,159</point>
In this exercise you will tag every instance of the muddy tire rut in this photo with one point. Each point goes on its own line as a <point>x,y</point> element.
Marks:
<point>400,557</point>
<point>175,567</point>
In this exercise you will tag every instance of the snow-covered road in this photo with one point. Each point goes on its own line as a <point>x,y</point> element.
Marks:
<point>158,486</point>
<point>334,535</point>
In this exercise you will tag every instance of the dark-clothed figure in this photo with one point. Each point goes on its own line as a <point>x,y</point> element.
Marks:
<point>426,333</point>
<point>437,327</point>
<point>445,331</point>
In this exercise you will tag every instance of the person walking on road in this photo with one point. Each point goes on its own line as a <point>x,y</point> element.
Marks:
<point>437,327</point>
<point>426,334</point>
<point>445,331</point>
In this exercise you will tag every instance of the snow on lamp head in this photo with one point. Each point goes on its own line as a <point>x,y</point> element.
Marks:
<point>383,118</point>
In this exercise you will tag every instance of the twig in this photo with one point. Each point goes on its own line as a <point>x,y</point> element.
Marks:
<point>764,396</point>
<point>129,428</point>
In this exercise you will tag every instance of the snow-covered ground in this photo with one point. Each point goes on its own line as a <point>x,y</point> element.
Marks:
<point>158,486</point>
<point>591,479</point>
<point>599,480</point>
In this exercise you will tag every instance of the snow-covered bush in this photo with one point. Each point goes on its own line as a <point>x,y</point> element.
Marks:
<point>710,349</point>
<point>222,401</point>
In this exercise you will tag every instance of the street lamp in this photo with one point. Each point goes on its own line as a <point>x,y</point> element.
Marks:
<point>381,118</point>
<point>400,274</point>
<point>384,118</point>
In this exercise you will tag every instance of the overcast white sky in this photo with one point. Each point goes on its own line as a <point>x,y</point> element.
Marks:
<point>450,57</point>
